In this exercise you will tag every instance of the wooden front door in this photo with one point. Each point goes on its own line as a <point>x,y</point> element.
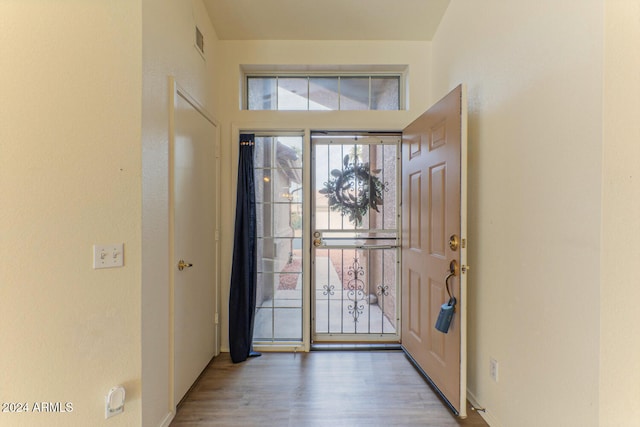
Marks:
<point>433,215</point>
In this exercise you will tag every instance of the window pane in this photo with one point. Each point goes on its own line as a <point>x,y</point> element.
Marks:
<point>273,190</point>
<point>293,93</point>
<point>262,93</point>
<point>278,178</point>
<point>288,322</point>
<point>323,93</point>
<point>284,152</point>
<point>262,157</point>
<point>385,92</point>
<point>332,92</point>
<point>388,176</point>
<point>354,93</point>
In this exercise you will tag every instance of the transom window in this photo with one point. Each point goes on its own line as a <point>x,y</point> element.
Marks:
<point>323,92</point>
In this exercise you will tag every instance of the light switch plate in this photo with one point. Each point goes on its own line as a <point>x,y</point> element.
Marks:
<point>108,256</point>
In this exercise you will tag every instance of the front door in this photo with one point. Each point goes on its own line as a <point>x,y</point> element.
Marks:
<point>434,244</point>
<point>355,236</point>
<point>193,201</point>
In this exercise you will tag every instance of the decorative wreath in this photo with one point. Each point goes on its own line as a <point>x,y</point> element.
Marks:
<point>353,190</point>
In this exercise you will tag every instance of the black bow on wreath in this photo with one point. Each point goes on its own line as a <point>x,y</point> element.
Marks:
<point>353,190</point>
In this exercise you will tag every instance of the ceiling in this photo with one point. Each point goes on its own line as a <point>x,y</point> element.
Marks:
<point>326,19</point>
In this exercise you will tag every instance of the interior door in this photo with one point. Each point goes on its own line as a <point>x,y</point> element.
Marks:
<point>193,201</point>
<point>434,244</point>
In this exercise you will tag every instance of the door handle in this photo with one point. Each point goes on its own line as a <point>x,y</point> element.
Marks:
<point>454,269</point>
<point>452,272</point>
<point>446,280</point>
<point>317,241</point>
<point>182,265</point>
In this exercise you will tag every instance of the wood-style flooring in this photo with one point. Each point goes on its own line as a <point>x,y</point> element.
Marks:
<point>320,388</point>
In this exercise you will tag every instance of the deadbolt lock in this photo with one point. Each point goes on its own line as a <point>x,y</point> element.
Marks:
<point>454,242</point>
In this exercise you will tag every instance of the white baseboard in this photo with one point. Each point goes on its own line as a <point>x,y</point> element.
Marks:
<point>167,420</point>
<point>486,414</point>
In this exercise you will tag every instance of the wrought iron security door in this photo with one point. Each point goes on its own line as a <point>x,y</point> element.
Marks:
<point>355,251</point>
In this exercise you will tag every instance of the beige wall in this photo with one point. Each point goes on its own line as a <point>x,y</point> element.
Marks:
<point>619,343</point>
<point>70,168</point>
<point>70,82</point>
<point>168,49</point>
<point>534,76</point>
<point>233,54</point>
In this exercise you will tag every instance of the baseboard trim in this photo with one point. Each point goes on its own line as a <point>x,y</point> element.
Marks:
<point>167,420</point>
<point>485,414</point>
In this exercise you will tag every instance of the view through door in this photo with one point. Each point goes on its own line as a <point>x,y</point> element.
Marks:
<point>355,236</point>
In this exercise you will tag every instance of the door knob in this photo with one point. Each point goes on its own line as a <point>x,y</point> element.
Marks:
<point>182,265</point>
<point>317,242</point>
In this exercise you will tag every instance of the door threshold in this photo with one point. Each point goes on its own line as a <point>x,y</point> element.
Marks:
<point>355,346</point>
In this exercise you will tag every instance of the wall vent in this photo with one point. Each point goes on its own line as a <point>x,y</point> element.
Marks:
<point>199,41</point>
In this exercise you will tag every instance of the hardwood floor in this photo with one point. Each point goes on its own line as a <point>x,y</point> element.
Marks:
<point>321,388</point>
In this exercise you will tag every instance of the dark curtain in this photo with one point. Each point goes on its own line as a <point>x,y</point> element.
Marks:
<point>242,294</point>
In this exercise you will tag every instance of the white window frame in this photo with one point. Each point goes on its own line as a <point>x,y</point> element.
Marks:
<point>399,71</point>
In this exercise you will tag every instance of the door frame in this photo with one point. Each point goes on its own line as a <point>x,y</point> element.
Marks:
<point>262,127</point>
<point>239,127</point>
<point>175,91</point>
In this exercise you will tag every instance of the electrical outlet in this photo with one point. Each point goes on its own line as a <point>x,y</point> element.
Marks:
<point>114,402</point>
<point>493,369</point>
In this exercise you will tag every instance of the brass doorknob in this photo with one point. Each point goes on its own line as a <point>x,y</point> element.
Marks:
<point>317,242</point>
<point>182,265</point>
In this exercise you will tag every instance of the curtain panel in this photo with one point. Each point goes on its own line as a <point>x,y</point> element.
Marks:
<point>242,293</point>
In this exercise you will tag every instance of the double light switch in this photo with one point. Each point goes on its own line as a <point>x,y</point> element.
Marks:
<point>108,256</point>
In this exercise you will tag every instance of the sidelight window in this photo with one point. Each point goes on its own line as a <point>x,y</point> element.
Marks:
<point>279,196</point>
